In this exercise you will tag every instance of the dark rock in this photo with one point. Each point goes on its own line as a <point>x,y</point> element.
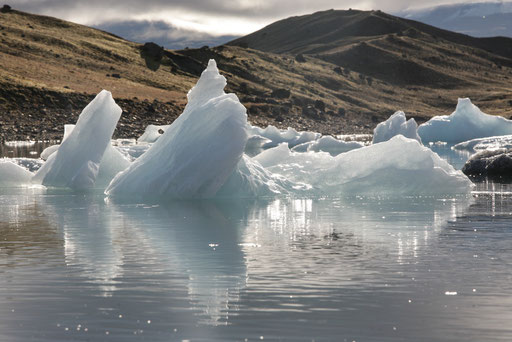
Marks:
<point>280,93</point>
<point>320,105</point>
<point>5,9</point>
<point>298,101</point>
<point>496,164</point>
<point>311,112</point>
<point>341,111</point>
<point>115,75</point>
<point>338,70</point>
<point>300,58</point>
<point>152,54</point>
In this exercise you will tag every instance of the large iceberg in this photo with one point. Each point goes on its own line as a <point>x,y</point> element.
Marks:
<point>396,124</point>
<point>397,166</point>
<point>198,152</point>
<point>466,123</point>
<point>77,161</point>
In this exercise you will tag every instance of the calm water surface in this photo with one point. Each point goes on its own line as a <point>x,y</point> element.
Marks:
<point>76,267</point>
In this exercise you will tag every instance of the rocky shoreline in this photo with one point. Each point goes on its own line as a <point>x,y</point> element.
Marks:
<point>40,115</point>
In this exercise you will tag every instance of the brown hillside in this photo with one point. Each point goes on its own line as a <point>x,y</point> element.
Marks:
<point>50,69</point>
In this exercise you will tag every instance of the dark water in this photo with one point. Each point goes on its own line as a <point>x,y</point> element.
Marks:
<point>24,149</point>
<point>77,267</point>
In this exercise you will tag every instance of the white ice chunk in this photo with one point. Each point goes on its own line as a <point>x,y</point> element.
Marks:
<point>490,143</point>
<point>466,123</point>
<point>13,175</point>
<point>277,136</point>
<point>250,180</point>
<point>47,152</point>
<point>76,162</point>
<point>199,151</point>
<point>132,152</point>
<point>397,166</point>
<point>255,144</point>
<point>396,124</point>
<point>328,144</point>
<point>112,162</point>
<point>152,133</point>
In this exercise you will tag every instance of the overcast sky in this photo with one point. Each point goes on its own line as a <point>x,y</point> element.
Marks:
<point>219,17</point>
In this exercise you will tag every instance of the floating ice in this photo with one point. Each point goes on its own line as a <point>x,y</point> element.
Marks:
<point>277,136</point>
<point>152,133</point>
<point>12,175</point>
<point>199,151</point>
<point>490,143</point>
<point>112,162</point>
<point>396,124</point>
<point>255,144</point>
<point>397,166</point>
<point>466,123</point>
<point>76,162</point>
<point>328,144</point>
<point>251,180</point>
<point>47,152</point>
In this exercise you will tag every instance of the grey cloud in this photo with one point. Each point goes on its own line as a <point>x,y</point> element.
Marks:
<point>163,34</point>
<point>245,9</point>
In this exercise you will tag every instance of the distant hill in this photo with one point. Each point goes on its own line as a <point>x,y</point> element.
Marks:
<point>334,72</point>
<point>396,50</point>
<point>479,19</point>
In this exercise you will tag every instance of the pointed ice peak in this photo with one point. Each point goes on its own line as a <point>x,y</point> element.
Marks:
<point>464,103</point>
<point>211,84</point>
<point>395,125</point>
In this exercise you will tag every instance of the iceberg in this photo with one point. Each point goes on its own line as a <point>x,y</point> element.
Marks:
<point>250,180</point>
<point>198,152</point>
<point>277,136</point>
<point>490,143</point>
<point>396,124</point>
<point>47,152</point>
<point>397,166</point>
<point>13,175</point>
<point>112,162</point>
<point>466,123</point>
<point>255,144</point>
<point>328,144</point>
<point>76,163</point>
<point>152,133</point>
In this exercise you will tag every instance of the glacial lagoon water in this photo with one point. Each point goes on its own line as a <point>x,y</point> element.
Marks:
<point>77,267</point>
